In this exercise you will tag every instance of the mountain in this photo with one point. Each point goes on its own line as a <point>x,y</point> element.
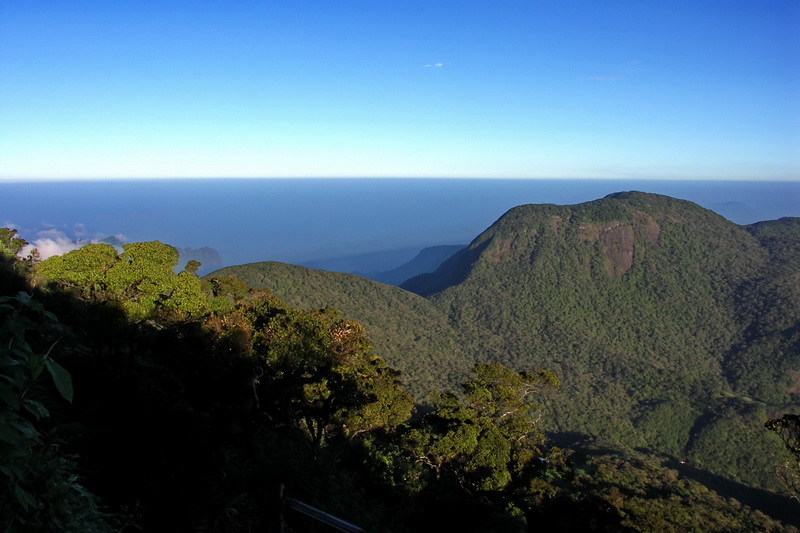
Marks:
<point>671,328</point>
<point>426,261</point>
<point>407,330</point>
<point>661,318</point>
<point>208,258</point>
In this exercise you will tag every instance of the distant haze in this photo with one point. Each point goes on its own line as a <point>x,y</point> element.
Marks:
<point>301,221</point>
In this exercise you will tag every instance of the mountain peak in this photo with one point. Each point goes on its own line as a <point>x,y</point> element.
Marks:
<point>606,237</point>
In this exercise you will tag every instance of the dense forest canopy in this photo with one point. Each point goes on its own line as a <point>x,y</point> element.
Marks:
<point>651,339</point>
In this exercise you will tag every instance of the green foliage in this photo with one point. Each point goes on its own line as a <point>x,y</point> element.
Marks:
<point>668,423</point>
<point>12,266</point>
<point>787,428</point>
<point>731,442</point>
<point>408,332</point>
<point>648,308</point>
<point>141,280</point>
<point>10,244</point>
<point>488,440</point>
<point>669,328</point>
<point>40,489</point>
<point>650,497</point>
<point>651,310</point>
<point>327,378</point>
<point>192,266</point>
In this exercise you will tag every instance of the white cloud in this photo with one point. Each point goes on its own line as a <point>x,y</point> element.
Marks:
<point>434,65</point>
<point>52,242</point>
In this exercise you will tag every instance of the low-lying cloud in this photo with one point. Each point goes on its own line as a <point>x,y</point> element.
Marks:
<point>52,242</point>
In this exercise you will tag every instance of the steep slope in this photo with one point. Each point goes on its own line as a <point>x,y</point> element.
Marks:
<point>408,331</point>
<point>637,301</point>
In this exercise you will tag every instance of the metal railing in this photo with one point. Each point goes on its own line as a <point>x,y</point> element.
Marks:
<point>316,514</point>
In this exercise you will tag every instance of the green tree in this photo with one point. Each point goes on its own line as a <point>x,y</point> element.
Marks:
<point>81,271</point>
<point>321,376</point>
<point>787,428</point>
<point>13,268</point>
<point>489,438</point>
<point>192,266</point>
<point>141,280</point>
<point>10,244</point>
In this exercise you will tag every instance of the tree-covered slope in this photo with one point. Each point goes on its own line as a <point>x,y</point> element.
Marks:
<point>408,331</point>
<point>671,328</point>
<point>210,400</point>
<point>642,305</point>
<point>765,365</point>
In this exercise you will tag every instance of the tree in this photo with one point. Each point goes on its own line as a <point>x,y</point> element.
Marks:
<point>192,266</point>
<point>488,439</point>
<point>141,280</point>
<point>81,271</point>
<point>10,244</point>
<point>13,268</point>
<point>787,428</point>
<point>321,376</point>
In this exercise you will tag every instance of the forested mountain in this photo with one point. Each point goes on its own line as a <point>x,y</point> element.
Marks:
<point>671,328</point>
<point>648,338</point>
<point>406,329</point>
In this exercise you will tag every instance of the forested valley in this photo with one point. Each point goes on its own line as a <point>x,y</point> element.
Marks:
<point>628,364</point>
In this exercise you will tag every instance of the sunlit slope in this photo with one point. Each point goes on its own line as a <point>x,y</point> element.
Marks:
<point>408,331</point>
<point>652,310</point>
<point>671,328</point>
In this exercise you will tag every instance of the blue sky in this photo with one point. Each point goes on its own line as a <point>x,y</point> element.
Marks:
<point>512,89</point>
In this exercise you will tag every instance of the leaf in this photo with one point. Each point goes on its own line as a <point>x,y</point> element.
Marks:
<point>23,427</point>
<point>7,433</point>
<point>35,408</point>
<point>36,366</point>
<point>13,471</point>
<point>9,396</point>
<point>25,499</point>
<point>61,378</point>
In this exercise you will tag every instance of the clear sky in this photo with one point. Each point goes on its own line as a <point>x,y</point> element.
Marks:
<point>502,88</point>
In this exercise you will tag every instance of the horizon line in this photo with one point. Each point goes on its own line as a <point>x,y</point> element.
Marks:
<point>81,179</point>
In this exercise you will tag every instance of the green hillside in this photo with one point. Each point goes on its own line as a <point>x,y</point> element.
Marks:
<point>408,331</point>
<point>672,329</point>
<point>136,397</point>
<point>667,323</point>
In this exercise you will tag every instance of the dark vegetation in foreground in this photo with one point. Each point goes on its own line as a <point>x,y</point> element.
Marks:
<point>134,398</point>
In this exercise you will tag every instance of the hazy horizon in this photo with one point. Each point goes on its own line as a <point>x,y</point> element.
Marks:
<point>316,220</point>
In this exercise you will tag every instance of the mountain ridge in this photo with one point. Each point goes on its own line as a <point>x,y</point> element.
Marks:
<point>426,261</point>
<point>664,320</point>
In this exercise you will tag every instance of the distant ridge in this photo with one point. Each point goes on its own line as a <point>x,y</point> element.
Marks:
<point>426,261</point>
<point>408,331</point>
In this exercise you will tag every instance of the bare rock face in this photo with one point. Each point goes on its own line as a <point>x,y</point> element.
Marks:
<point>618,241</point>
